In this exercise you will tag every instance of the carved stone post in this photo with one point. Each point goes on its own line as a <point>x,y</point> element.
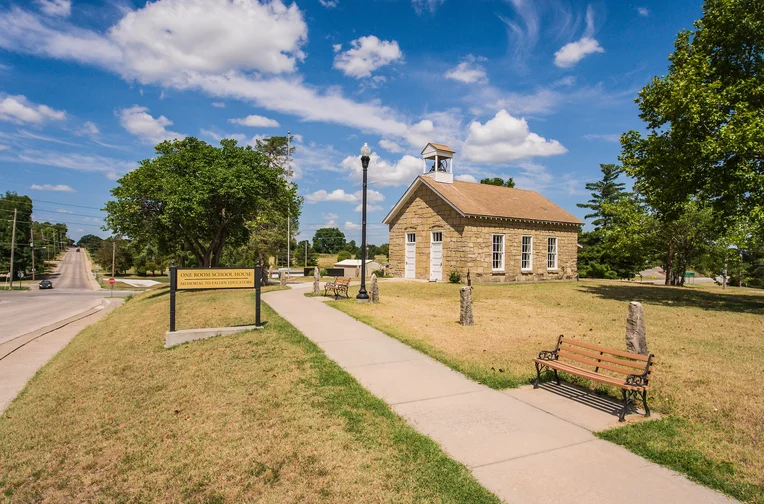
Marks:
<point>465,307</point>
<point>316,281</point>
<point>636,337</point>
<point>374,289</point>
<point>283,279</point>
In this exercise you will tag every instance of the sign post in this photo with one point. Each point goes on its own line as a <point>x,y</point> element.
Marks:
<point>112,282</point>
<point>257,296</point>
<point>173,287</point>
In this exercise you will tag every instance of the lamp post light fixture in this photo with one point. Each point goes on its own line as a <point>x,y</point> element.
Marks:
<point>362,295</point>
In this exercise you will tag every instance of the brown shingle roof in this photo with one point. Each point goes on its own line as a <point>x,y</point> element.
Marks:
<point>484,200</point>
<point>441,147</point>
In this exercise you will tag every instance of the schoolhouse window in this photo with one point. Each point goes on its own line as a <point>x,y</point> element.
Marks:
<point>526,256</point>
<point>551,253</point>
<point>497,262</point>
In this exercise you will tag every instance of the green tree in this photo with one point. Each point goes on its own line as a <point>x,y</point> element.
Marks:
<point>91,243</point>
<point>312,257</point>
<point>607,191</point>
<point>22,256</point>
<point>498,181</point>
<point>705,118</point>
<point>344,254</point>
<point>198,198</point>
<point>328,241</point>
<point>384,250</point>
<point>123,258</point>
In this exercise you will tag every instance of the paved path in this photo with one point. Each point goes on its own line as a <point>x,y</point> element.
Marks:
<point>520,452</point>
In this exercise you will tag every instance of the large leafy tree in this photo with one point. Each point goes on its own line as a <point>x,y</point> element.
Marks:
<point>329,241</point>
<point>22,257</point>
<point>198,198</point>
<point>90,242</point>
<point>705,118</point>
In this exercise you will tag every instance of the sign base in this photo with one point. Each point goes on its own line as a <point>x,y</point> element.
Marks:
<point>172,338</point>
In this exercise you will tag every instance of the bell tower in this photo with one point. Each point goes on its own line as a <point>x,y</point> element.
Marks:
<point>438,162</point>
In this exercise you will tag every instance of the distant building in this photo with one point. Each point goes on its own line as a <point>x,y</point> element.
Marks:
<point>499,234</point>
<point>352,267</point>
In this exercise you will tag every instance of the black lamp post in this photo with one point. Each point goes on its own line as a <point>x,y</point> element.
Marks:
<point>362,295</point>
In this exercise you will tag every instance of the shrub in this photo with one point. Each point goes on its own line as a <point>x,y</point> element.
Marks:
<point>455,277</point>
<point>323,272</point>
<point>344,254</point>
<point>380,273</point>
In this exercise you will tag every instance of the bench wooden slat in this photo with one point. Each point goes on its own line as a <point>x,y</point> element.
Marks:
<point>602,365</point>
<point>590,375</point>
<point>621,362</point>
<point>604,349</point>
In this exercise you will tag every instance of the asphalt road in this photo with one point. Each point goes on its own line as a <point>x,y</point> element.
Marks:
<point>22,312</point>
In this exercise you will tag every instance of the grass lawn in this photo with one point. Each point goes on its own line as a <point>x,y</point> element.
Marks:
<point>709,346</point>
<point>261,417</point>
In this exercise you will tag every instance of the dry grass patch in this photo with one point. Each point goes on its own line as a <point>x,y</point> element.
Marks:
<point>261,416</point>
<point>708,343</point>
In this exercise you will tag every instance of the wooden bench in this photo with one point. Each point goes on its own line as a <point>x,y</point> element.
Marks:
<point>573,357</point>
<point>339,285</point>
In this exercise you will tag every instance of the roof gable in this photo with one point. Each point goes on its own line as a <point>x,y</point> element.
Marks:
<point>483,200</point>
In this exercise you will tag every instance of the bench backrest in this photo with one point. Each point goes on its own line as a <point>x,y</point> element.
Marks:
<point>342,281</point>
<point>609,360</point>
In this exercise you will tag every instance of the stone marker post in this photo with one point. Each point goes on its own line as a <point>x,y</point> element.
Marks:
<point>374,289</point>
<point>469,280</point>
<point>316,281</point>
<point>636,338</point>
<point>465,306</point>
<point>282,280</point>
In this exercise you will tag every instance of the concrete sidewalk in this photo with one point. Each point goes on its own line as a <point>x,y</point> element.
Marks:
<point>520,452</point>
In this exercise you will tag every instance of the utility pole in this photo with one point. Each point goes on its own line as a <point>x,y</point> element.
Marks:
<point>306,253</point>
<point>113,255</point>
<point>289,219</point>
<point>31,245</point>
<point>13,245</point>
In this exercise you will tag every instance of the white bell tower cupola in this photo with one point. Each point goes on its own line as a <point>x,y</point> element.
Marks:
<point>438,162</point>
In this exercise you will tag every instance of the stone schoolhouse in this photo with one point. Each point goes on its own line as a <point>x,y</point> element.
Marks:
<point>498,234</point>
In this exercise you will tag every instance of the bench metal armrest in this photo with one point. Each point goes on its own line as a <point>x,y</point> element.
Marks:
<point>548,355</point>
<point>637,380</point>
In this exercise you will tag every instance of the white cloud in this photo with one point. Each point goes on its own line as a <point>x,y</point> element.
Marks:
<point>505,138</point>
<point>340,195</point>
<point>61,8</point>
<point>139,122</point>
<point>51,187</point>
<point>256,121</point>
<point>218,104</point>
<point>573,52</point>
<point>366,55</point>
<point>426,5</point>
<point>466,177</point>
<point>211,36</point>
<point>390,146</point>
<point>4,147</point>
<point>369,208</point>
<point>608,137</point>
<point>351,226</point>
<point>112,168</point>
<point>642,11</point>
<point>19,110</point>
<point>468,71</point>
<point>64,211</point>
<point>383,173</point>
<point>329,4</point>
<point>88,128</point>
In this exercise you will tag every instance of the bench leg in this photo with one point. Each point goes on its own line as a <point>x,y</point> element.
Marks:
<point>644,401</point>
<point>556,377</point>
<point>622,418</point>
<point>538,376</point>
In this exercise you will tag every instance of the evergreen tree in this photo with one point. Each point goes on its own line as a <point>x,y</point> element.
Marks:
<point>604,192</point>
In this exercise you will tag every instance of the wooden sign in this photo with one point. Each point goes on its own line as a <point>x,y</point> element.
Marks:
<point>215,278</point>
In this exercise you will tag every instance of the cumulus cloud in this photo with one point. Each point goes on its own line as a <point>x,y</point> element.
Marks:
<point>329,4</point>
<point>256,121</point>
<point>339,195</point>
<point>88,128</point>
<point>466,177</point>
<point>61,8</point>
<point>505,138</point>
<point>17,109</point>
<point>351,226</point>
<point>390,146</point>
<point>468,71</point>
<point>366,55</point>
<point>139,122</point>
<point>573,52</point>
<point>383,173</point>
<point>51,187</point>
<point>642,11</point>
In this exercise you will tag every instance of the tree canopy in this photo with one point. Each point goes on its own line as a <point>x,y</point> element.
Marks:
<point>498,181</point>
<point>705,118</point>
<point>607,191</point>
<point>329,241</point>
<point>196,197</point>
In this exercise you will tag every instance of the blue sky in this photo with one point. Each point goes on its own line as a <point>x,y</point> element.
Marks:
<point>537,90</point>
